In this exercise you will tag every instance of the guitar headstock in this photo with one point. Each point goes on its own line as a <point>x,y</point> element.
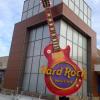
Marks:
<point>46,3</point>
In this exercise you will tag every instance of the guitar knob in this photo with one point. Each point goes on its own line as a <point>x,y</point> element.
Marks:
<point>77,85</point>
<point>48,51</point>
<point>80,80</point>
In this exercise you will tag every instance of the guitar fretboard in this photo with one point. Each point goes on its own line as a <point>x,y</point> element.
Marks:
<point>52,30</point>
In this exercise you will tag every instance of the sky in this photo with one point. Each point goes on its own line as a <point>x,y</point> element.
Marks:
<point>10,13</point>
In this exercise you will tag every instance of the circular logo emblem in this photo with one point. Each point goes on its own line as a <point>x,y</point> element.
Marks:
<point>64,76</point>
<point>63,79</point>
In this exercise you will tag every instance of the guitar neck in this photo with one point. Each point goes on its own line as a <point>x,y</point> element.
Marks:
<point>52,29</point>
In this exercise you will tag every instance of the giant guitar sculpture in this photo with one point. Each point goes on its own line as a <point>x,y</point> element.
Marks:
<point>62,77</point>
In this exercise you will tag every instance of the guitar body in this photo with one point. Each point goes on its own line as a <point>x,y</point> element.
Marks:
<point>57,60</point>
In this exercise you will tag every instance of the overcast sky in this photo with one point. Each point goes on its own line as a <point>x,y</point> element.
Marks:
<point>10,13</point>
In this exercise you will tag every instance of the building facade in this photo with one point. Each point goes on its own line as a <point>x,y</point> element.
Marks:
<point>31,35</point>
<point>97,69</point>
<point>3,66</point>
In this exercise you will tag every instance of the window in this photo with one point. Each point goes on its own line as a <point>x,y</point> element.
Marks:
<point>57,25</point>
<point>29,13</point>
<point>71,5</point>
<point>81,5</point>
<point>89,22</point>
<point>73,1</point>
<point>98,80</point>
<point>36,2</point>
<point>33,82</point>
<point>30,49</point>
<point>89,13</point>
<point>80,65</point>
<point>57,2</point>
<point>31,3</point>
<point>43,62</point>
<point>26,82</point>
<point>63,29</point>
<point>66,2</point>
<point>69,33</point>
<point>25,8</point>
<point>41,84</point>
<point>85,66</point>
<point>24,15</point>
<point>77,3</point>
<point>37,48</point>
<point>1,64</point>
<point>76,10</point>
<point>85,19</point>
<point>80,54</point>
<point>28,65</point>
<point>35,64</point>
<point>75,51</point>
<point>39,33</point>
<point>84,57</point>
<point>46,32</point>
<point>70,44</point>
<point>85,9</point>
<point>80,91</point>
<point>32,35</point>
<point>81,15</point>
<point>84,88</point>
<point>44,44</point>
<point>41,8</point>
<point>75,37</point>
<point>84,43</point>
<point>80,40</point>
<point>36,10</point>
<point>62,42</point>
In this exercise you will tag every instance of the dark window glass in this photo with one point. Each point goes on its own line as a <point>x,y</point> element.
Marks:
<point>98,79</point>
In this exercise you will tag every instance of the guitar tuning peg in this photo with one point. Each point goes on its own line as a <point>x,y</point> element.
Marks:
<point>50,2</point>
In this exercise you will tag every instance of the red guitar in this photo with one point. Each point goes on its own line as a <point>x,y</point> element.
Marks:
<point>62,77</point>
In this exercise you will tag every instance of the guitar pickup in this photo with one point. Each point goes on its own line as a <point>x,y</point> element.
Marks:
<point>58,55</point>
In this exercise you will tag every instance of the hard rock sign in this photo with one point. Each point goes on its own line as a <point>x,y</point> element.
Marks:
<point>62,77</point>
